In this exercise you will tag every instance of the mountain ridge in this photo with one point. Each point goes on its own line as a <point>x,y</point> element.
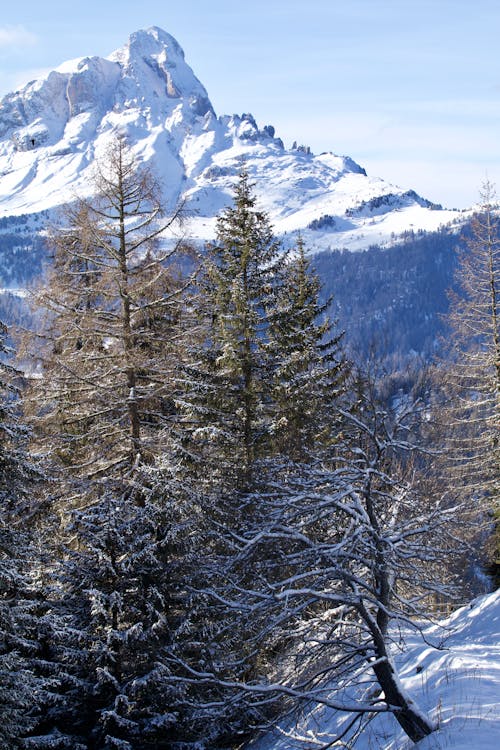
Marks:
<point>53,129</point>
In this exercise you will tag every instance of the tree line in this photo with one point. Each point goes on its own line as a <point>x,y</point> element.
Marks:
<point>208,516</point>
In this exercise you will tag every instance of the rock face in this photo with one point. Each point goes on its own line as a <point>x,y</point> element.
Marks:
<point>52,130</point>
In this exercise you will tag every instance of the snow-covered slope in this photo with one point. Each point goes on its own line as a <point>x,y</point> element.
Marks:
<point>52,130</point>
<point>451,669</point>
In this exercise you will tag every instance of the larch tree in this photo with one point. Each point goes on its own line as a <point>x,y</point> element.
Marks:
<point>471,373</point>
<point>103,405</point>
<point>112,306</point>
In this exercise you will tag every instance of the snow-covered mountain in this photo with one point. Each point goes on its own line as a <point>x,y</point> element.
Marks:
<point>52,130</point>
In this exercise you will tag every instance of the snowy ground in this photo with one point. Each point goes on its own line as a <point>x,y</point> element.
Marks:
<point>453,673</point>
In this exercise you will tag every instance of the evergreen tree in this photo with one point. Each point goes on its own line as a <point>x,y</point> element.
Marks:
<point>227,405</point>
<point>241,275</point>
<point>262,383</point>
<point>262,379</point>
<point>310,369</point>
<point>23,689</point>
<point>128,615</point>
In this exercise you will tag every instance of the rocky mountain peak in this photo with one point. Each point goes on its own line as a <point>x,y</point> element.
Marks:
<point>52,130</point>
<point>153,62</point>
<point>151,42</point>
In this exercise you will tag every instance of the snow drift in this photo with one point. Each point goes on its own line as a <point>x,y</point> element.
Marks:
<point>452,669</point>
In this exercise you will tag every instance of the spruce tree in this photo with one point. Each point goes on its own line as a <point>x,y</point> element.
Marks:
<point>259,395</point>
<point>226,405</point>
<point>310,369</point>
<point>263,379</point>
<point>241,274</point>
<point>23,688</point>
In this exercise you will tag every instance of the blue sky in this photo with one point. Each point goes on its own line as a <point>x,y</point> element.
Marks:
<point>408,88</point>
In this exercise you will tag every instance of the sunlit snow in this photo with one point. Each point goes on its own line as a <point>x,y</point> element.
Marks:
<point>52,130</point>
<point>452,670</point>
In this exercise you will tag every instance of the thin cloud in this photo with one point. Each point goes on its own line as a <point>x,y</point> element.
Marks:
<point>10,82</point>
<point>16,36</point>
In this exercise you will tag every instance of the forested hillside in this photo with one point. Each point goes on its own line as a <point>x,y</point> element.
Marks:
<point>22,249</point>
<point>391,301</point>
<point>211,516</point>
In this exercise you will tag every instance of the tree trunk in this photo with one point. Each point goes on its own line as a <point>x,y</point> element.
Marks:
<point>406,712</point>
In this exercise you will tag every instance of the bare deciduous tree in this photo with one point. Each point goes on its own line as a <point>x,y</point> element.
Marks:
<point>471,373</point>
<point>110,343</point>
<point>337,556</point>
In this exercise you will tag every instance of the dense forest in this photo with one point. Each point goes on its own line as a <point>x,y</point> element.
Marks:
<point>389,301</point>
<point>211,513</point>
<point>392,299</point>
